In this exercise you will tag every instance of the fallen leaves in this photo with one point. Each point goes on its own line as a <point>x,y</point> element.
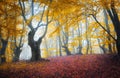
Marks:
<point>74,66</point>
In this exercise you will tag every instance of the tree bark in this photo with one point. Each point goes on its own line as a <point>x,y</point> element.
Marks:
<point>108,29</point>
<point>102,46</point>
<point>80,41</point>
<point>116,23</point>
<point>17,52</point>
<point>79,49</point>
<point>36,53</point>
<point>60,44</point>
<point>87,38</point>
<point>118,45</point>
<point>2,51</point>
<point>35,46</point>
<point>67,50</point>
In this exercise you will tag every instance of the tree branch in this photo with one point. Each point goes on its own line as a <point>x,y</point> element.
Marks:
<point>103,27</point>
<point>22,5</point>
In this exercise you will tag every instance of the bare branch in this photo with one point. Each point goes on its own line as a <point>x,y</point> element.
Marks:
<point>22,5</point>
<point>103,27</point>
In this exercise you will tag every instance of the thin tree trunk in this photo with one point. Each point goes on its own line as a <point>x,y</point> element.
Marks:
<point>57,47</point>
<point>16,54</point>
<point>87,40</point>
<point>101,46</point>
<point>108,29</point>
<point>65,42</point>
<point>80,41</point>
<point>79,49</point>
<point>90,46</point>
<point>114,47</point>
<point>60,46</point>
<point>3,49</point>
<point>18,46</point>
<point>67,50</point>
<point>46,45</point>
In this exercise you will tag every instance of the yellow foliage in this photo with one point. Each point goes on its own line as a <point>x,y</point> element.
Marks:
<point>45,54</point>
<point>73,44</point>
<point>10,13</point>
<point>9,53</point>
<point>55,32</point>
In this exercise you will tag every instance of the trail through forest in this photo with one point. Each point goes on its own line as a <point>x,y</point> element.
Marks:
<point>74,66</point>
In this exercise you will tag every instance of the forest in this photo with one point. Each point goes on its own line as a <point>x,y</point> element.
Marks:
<point>59,38</point>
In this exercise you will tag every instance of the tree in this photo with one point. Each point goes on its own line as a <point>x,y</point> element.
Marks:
<point>18,43</point>
<point>9,12</point>
<point>79,40</point>
<point>115,20</point>
<point>42,16</point>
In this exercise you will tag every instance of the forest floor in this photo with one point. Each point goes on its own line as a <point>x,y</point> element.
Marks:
<point>74,66</point>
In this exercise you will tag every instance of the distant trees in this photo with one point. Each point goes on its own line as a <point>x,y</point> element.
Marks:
<point>92,8</point>
<point>89,10</point>
<point>65,40</point>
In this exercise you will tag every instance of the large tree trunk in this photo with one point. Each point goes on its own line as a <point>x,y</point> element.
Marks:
<point>116,23</point>
<point>35,46</point>
<point>118,45</point>
<point>36,53</point>
<point>2,52</point>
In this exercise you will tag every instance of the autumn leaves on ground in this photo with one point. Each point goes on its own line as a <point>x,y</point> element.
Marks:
<point>74,66</point>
